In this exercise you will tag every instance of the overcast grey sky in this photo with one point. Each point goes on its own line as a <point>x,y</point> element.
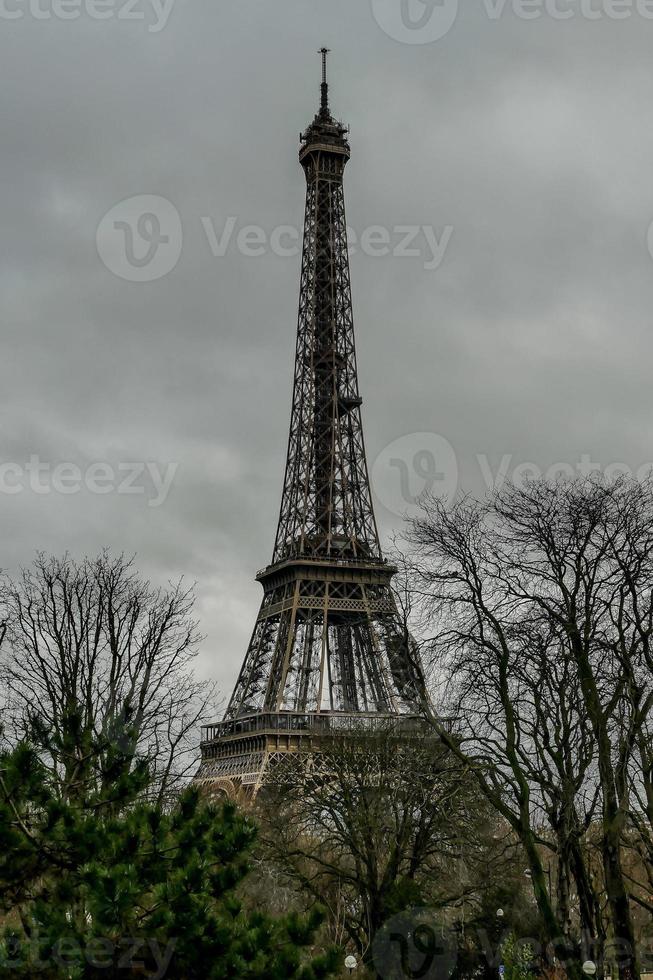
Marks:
<point>524,146</point>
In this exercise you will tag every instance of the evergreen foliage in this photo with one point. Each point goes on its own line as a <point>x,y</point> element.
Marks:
<point>105,884</point>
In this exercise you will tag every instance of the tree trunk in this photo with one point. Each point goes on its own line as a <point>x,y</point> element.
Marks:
<point>622,923</point>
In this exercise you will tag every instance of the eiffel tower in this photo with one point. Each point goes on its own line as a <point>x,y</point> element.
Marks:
<point>329,651</point>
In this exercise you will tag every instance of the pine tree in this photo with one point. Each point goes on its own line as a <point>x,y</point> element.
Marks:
<point>105,884</point>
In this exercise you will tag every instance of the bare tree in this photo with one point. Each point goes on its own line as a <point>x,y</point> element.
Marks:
<point>375,823</point>
<point>538,604</point>
<point>95,655</point>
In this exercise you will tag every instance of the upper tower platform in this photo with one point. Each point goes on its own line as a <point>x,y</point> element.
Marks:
<point>325,133</point>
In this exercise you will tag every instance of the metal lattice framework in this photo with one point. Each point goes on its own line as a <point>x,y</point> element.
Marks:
<point>328,638</point>
<point>326,508</point>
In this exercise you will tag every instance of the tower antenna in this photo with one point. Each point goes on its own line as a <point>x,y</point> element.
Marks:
<point>324,104</point>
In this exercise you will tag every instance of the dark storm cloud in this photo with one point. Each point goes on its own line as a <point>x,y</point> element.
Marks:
<point>532,340</point>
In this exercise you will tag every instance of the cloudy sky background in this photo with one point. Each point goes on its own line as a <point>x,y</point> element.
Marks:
<point>533,140</point>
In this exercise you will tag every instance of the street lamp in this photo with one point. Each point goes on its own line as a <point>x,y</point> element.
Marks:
<point>350,963</point>
<point>500,913</point>
<point>589,968</point>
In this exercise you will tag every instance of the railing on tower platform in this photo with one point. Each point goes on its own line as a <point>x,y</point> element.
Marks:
<point>315,723</point>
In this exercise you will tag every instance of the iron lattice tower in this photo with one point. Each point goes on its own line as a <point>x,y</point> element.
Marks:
<point>328,644</point>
